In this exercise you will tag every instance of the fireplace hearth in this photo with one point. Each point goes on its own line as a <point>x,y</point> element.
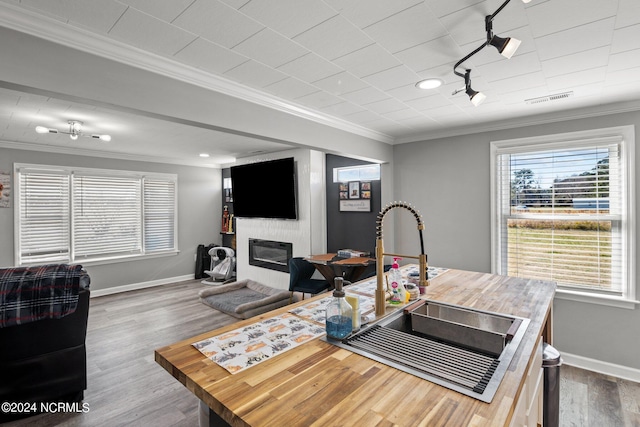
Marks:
<point>270,254</point>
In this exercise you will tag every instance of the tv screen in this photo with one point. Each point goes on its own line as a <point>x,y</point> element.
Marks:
<point>265,189</point>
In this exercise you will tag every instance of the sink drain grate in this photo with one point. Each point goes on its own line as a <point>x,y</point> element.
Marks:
<point>466,368</point>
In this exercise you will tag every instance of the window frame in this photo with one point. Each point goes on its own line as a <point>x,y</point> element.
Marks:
<point>356,173</point>
<point>626,137</point>
<point>78,172</point>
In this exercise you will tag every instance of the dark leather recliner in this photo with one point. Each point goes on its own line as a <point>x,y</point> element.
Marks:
<point>45,360</point>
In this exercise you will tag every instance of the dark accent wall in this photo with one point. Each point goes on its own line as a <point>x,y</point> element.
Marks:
<point>228,239</point>
<point>350,230</point>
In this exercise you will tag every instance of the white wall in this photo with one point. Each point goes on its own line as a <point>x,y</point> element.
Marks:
<point>307,233</point>
<point>448,180</point>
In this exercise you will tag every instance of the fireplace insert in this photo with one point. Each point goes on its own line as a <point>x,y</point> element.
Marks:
<point>270,254</point>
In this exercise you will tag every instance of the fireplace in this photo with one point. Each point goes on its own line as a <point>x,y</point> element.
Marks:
<point>270,254</point>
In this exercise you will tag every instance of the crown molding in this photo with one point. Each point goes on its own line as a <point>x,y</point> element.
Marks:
<point>541,119</point>
<point>50,29</point>
<point>104,154</point>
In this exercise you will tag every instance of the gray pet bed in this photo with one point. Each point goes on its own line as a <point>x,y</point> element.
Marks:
<point>244,299</point>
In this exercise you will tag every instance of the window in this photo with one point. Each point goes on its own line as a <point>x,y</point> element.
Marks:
<point>369,172</point>
<point>77,214</point>
<point>562,209</point>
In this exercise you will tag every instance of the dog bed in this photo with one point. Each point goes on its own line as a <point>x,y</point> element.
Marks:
<point>244,299</point>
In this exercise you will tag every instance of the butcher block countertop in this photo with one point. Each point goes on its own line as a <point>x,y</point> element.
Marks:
<point>320,384</point>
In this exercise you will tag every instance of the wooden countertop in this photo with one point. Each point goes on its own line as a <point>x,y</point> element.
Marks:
<point>328,259</point>
<point>320,384</point>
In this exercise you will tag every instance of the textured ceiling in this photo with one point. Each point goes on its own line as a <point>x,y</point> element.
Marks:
<point>356,62</point>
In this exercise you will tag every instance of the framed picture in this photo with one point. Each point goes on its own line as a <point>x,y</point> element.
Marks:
<point>356,205</point>
<point>355,196</point>
<point>354,189</point>
<point>5,189</point>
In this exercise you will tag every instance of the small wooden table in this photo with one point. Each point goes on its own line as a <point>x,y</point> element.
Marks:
<point>332,266</point>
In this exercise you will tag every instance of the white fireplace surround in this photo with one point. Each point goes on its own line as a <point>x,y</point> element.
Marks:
<point>307,234</point>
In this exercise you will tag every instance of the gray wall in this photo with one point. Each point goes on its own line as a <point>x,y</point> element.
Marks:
<point>448,180</point>
<point>199,207</point>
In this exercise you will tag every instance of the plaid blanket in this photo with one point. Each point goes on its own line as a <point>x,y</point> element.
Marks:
<point>28,294</point>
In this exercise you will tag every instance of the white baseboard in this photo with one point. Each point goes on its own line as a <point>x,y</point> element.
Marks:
<point>142,285</point>
<point>601,367</point>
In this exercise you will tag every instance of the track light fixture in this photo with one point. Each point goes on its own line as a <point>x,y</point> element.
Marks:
<point>506,47</point>
<point>475,97</point>
<point>74,132</point>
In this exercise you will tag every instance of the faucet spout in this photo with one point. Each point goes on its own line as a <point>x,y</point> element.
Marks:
<point>381,293</point>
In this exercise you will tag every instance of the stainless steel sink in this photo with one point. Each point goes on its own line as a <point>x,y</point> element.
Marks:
<point>463,349</point>
<point>479,330</point>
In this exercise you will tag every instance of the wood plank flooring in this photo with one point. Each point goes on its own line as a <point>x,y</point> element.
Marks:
<point>593,399</point>
<point>127,388</point>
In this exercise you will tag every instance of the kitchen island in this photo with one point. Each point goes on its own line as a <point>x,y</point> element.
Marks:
<point>320,384</point>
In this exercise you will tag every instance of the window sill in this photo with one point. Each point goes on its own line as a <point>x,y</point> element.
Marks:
<point>121,259</point>
<point>611,301</point>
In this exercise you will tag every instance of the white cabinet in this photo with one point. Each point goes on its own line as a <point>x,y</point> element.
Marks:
<point>528,410</point>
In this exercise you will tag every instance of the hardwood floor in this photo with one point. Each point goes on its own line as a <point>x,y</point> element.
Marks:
<point>127,388</point>
<point>593,399</point>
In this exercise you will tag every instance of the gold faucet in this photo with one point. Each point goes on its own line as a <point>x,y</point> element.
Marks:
<point>422,258</point>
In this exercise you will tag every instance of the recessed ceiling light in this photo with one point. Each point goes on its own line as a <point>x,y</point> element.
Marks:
<point>204,155</point>
<point>429,83</point>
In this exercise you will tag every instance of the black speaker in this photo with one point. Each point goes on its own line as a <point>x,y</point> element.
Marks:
<point>203,259</point>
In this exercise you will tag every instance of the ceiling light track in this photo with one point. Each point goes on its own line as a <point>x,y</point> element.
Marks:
<point>506,47</point>
<point>75,127</point>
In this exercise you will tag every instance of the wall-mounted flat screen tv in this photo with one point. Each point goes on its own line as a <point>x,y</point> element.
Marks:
<point>265,189</point>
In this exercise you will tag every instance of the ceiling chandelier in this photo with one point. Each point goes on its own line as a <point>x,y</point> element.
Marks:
<point>505,46</point>
<point>74,132</point>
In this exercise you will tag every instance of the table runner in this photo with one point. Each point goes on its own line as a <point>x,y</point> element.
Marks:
<point>250,345</point>
<point>244,347</point>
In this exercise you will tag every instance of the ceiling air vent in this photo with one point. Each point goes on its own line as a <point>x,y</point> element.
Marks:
<point>548,98</point>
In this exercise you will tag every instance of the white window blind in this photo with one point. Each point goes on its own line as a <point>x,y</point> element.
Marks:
<point>106,216</point>
<point>43,217</point>
<point>80,214</point>
<point>562,214</point>
<point>159,215</point>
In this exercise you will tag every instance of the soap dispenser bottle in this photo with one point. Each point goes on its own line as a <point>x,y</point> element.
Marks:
<point>339,313</point>
<point>395,281</point>
<point>396,298</point>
